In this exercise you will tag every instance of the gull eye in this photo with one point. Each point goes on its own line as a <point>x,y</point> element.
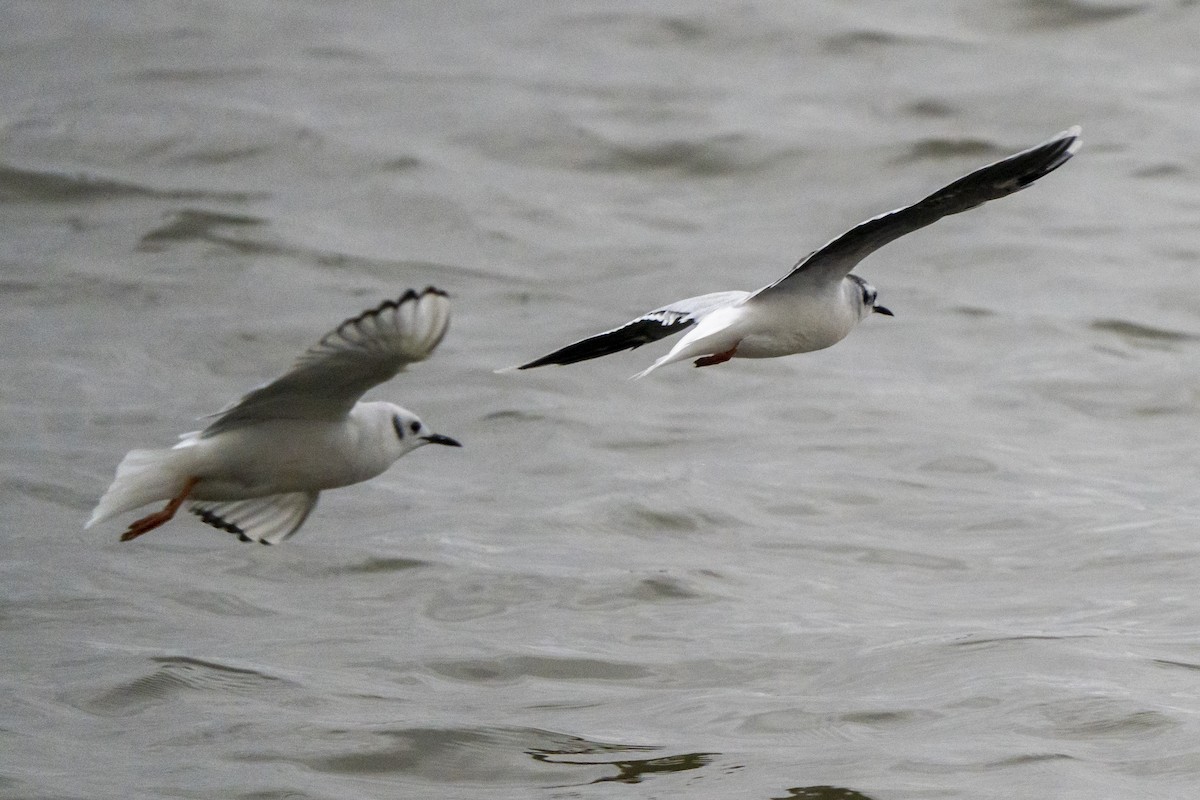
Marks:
<point>414,426</point>
<point>398,424</point>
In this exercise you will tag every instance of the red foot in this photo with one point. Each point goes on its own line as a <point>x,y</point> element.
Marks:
<point>149,523</point>
<point>716,358</point>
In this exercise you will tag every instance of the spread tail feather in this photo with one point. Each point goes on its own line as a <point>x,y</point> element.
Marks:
<point>143,476</point>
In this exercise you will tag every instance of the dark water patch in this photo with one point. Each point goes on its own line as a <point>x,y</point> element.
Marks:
<point>443,754</point>
<point>45,186</point>
<point>221,604</point>
<point>1053,14</point>
<point>375,566</point>
<point>193,224</point>
<point>664,589</point>
<point>636,770</point>
<point>554,144</point>
<point>499,755</point>
<point>678,522</point>
<point>244,234</point>
<point>941,149</point>
<point>657,589</point>
<point>401,164</point>
<point>217,156</point>
<point>878,719</point>
<point>715,156</point>
<point>1103,718</point>
<point>341,53</point>
<point>48,492</point>
<point>513,415</point>
<point>854,41</point>
<point>956,767</point>
<point>893,557</point>
<point>646,29</point>
<point>195,75</point>
<point>477,599</point>
<point>1158,171</point>
<point>390,268</point>
<point>1164,662</point>
<point>176,675</point>
<point>516,668</point>
<point>664,521</point>
<point>203,674</point>
<point>74,288</point>
<point>662,223</point>
<point>1027,758</point>
<point>974,312</point>
<point>960,465</point>
<point>1007,639</point>
<point>930,108</point>
<point>863,41</point>
<point>683,29</point>
<point>17,614</point>
<point>1138,332</point>
<point>851,726</point>
<point>822,793</point>
<point>1104,401</point>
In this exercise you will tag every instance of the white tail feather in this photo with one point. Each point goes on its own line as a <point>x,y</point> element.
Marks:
<point>143,476</point>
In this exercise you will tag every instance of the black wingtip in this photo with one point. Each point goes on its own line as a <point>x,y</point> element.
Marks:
<point>209,518</point>
<point>1052,154</point>
<point>410,295</point>
<point>553,360</point>
<point>656,325</point>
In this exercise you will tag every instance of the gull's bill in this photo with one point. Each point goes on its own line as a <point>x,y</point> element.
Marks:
<point>820,300</point>
<point>260,465</point>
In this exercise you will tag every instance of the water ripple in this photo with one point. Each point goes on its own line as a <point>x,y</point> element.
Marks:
<point>174,675</point>
<point>499,755</point>
<point>822,793</point>
<point>49,186</point>
<point>1137,332</point>
<point>516,668</point>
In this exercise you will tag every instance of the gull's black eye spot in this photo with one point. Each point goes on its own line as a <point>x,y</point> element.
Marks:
<point>414,426</point>
<point>398,424</point>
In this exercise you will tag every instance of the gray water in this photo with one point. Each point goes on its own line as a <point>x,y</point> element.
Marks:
<point>953,556</point>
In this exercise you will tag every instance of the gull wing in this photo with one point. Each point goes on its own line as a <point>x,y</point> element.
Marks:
<point>326,382</point>
<point>266,520</point>
<point>650,327</point>
<point>837,258</point>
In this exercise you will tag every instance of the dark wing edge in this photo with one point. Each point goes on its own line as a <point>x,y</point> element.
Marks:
<point>265,520</point>
<point>389,336</point>
<point>374,328</point>
<point>630,336</point>
<point>650,327</point>
<point>996,180</point>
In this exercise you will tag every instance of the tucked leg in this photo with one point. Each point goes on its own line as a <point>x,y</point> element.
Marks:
<point>149,523</point>
<point>716,358</point>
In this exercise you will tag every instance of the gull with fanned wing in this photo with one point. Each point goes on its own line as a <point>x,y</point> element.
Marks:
<point>257,469</point>
<point>820,301</point>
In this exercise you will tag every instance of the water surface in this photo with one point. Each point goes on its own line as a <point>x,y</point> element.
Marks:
<point>953,556</point>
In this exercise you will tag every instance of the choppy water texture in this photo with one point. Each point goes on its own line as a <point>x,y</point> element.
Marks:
<point>953,556</point>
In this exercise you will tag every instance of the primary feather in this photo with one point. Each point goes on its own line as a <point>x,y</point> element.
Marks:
<point>362,352</point>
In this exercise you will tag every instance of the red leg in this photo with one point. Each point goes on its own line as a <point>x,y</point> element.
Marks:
<point>149,523</point>
<point>716,358</point>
